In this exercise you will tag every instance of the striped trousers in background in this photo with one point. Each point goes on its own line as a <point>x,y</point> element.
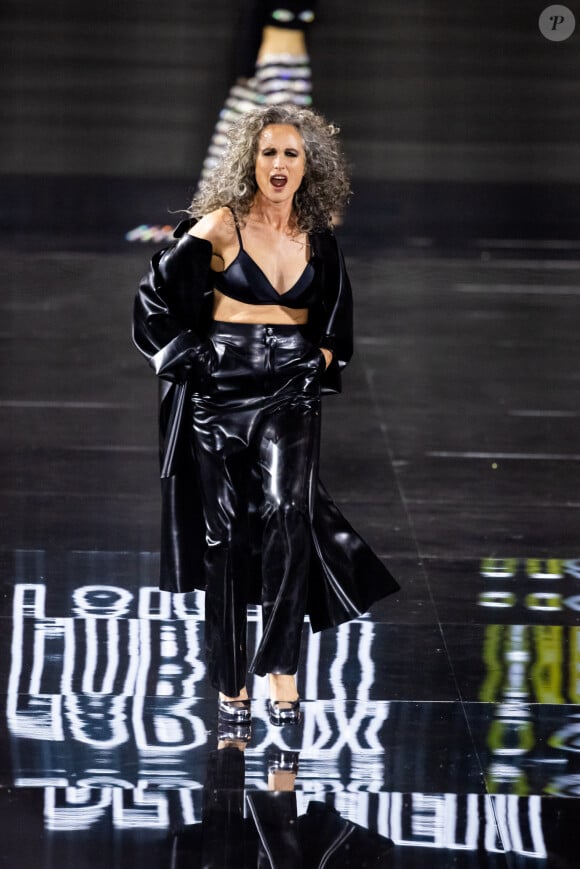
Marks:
<point>279,78</point>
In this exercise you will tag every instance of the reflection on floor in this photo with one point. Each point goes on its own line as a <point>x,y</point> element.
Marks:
<point>442,730</point>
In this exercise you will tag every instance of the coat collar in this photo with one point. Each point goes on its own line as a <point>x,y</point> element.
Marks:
<point>184,226</point>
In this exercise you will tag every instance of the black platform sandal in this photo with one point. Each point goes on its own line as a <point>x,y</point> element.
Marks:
<point>282,712</point>
<point>234,711</point>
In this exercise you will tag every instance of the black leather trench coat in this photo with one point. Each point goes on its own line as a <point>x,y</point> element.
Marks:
<point>171,315</point>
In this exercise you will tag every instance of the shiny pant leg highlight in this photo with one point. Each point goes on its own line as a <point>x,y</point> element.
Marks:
<point>256,418</point>
<point>288,459</point>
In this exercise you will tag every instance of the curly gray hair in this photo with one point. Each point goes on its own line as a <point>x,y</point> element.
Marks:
<point>325,186</point>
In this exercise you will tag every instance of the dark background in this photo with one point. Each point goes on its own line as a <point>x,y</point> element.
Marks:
<point>459,119</point>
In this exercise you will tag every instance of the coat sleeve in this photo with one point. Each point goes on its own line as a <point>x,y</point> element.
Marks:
<point>337,332</point>
<point>336,323</point>
<point>168,306</point>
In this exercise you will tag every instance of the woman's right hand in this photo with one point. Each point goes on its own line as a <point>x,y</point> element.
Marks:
<point>328,355</point>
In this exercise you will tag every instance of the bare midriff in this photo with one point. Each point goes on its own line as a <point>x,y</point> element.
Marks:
<point>229,310</point>
<point>278,40</point>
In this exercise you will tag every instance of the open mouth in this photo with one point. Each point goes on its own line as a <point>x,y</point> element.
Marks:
<point>278,181</point>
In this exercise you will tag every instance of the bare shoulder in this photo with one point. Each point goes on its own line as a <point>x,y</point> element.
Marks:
<point>218,227</point>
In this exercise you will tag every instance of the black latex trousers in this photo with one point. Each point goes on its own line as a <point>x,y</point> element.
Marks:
<point>256,416</point>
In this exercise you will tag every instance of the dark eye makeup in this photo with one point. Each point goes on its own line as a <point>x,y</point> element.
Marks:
<point>270,152</point>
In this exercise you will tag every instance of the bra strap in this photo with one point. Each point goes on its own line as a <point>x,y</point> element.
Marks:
<point>237,227</point>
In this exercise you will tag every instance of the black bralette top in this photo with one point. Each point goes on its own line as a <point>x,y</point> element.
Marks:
<point>245,281</point>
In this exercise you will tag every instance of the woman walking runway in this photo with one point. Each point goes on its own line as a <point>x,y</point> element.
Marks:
<point>247,320</point>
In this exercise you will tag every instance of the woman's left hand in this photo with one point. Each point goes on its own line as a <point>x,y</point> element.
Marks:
<point>327,355</point>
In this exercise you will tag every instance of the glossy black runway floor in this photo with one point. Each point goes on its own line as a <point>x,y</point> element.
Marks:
<point>441,731</point>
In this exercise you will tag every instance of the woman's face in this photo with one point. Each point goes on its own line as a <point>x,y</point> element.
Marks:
<point>280,162</point>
